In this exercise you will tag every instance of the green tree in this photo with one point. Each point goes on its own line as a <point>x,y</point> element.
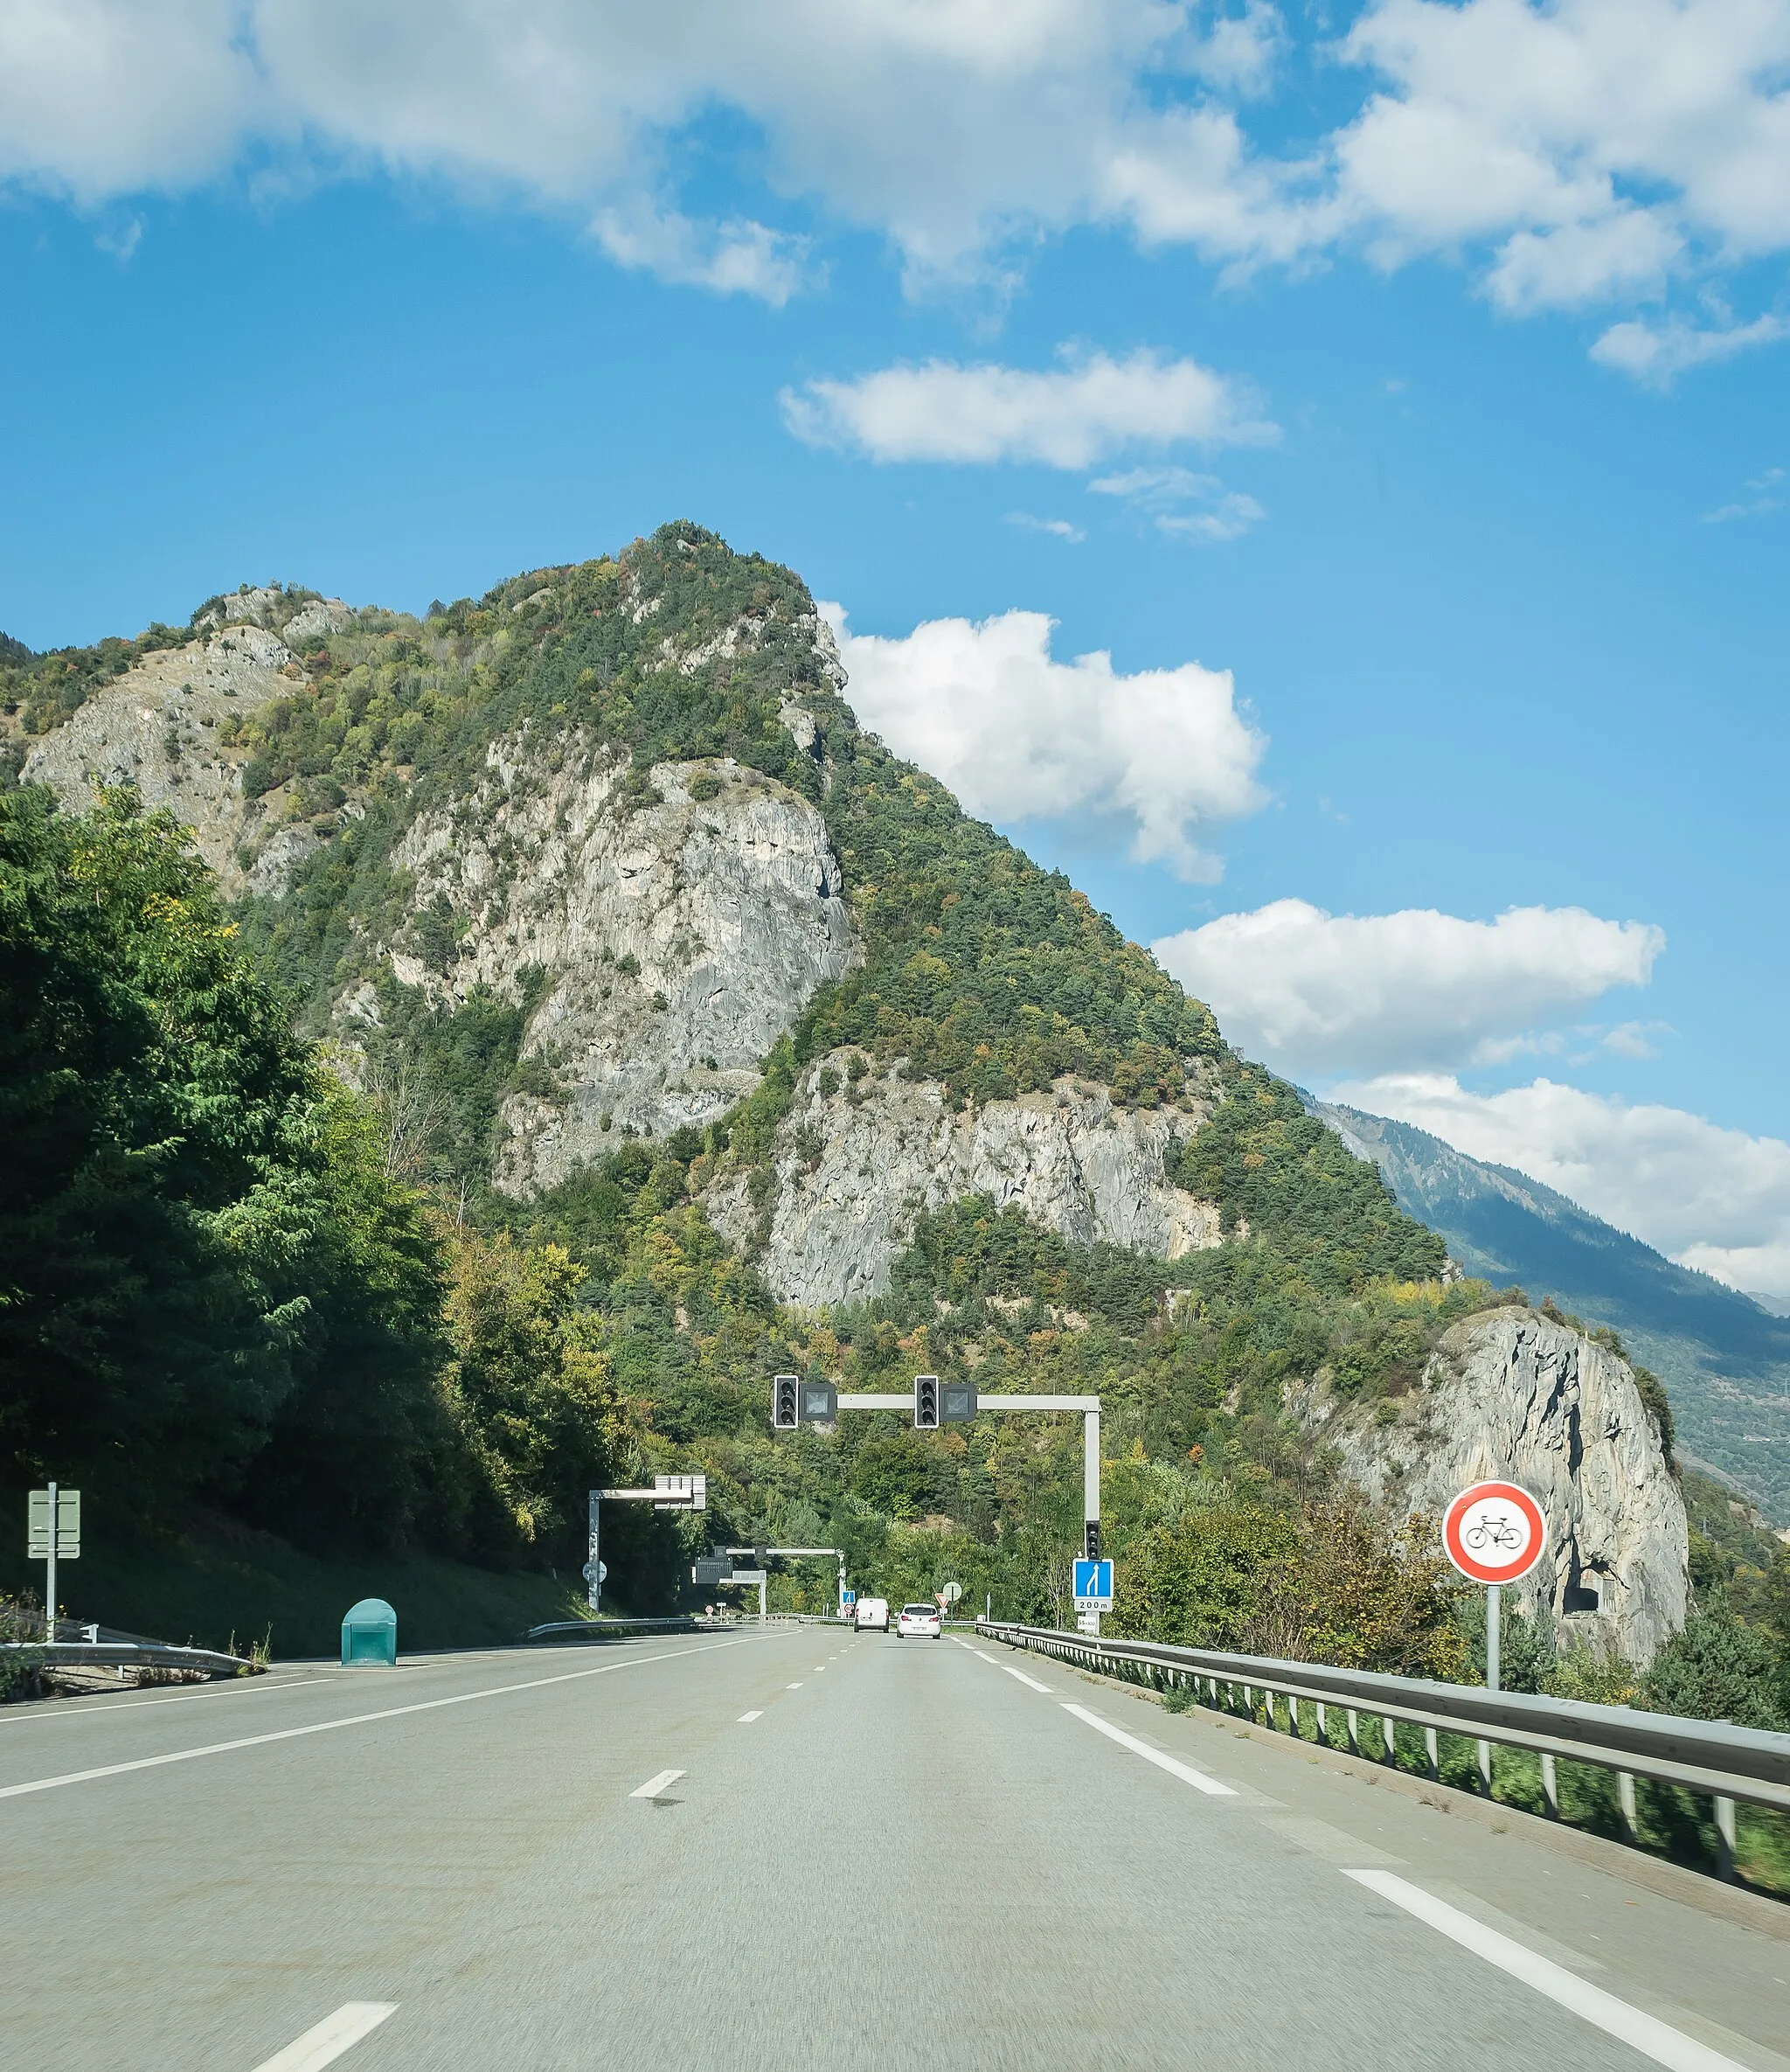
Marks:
<point>1714,1668</point>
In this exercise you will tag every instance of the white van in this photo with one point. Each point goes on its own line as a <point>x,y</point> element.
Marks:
<point>873,1614</point>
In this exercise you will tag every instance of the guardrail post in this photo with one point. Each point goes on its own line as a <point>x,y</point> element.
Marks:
<point>1249,1703</point>
<point>1388,1731</point>
<point>1354,1731</point>
<point>1551,1786</point>
<point>1724,1836</point>
<point>1625,1798</point>
<point>1432,1763</point>
<point>1323,1725</point>
<point>1485,1766</point>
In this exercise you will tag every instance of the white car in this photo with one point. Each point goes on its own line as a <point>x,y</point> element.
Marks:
<point>918,1621</point>
<point>873,1614</point>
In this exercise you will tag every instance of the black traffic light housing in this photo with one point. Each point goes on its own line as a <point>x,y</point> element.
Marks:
<point>786,1403</point>
<point>957,1401</point>
<point>925,1402</point>
<point>819,1402</point>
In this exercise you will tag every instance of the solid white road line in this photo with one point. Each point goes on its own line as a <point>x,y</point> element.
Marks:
<point>325,2043</point>
<point>1030,1682</point>
<point>747,1718</point>
<point>1645,2032</point>
<point>394,1712</point>
<point>1185,1772</point>
<point>88,1707</point>
<point>654,1786</point>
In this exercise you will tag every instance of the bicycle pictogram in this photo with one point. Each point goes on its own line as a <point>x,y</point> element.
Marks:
<point>1493,1531</point>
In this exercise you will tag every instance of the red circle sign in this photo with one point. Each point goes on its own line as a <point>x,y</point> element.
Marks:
<point>1494,1532</point>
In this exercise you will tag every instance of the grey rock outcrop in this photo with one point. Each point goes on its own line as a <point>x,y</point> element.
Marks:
<point>1509,1393</point>
<point>856,1167</point>
<point>679,936</point>
<point>157,727</point>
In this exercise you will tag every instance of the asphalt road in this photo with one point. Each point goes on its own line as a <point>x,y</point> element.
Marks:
<point>872,1853</point>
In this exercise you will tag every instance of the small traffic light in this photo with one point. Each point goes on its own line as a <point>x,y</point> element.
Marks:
<point>1093,1540</point>
<point>820,1402</point>
<point>957,1402</point>
<point>786,1403</point>
<point>925,1402</point>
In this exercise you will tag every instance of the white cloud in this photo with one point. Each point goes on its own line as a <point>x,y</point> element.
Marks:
<point>1018,735</point>
<point>1318,992</point>
<point>1764,495</point>
<point>1058,528</point>
<point>1072,416</point>
<point>1185,506</point>
<point>1592,142</point>
<point>732,258</point>
<point>1579,148</point>
<point>1658,353</point>
<point>1713,1198</point>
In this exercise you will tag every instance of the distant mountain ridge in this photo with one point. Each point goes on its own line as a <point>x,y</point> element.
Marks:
<point>1724,1357</point>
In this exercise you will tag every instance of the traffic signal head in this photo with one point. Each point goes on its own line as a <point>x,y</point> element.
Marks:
<point>925,1402</point>
<point>786,1403</point>
<point>820,1402</point>
<point>957,1401</point>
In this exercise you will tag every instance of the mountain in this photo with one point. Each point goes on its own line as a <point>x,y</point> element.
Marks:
<point>715,1040</point>
<point>1725,1358</point>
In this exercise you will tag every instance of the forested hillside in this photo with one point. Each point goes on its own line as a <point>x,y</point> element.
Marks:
<point>258,1265</point>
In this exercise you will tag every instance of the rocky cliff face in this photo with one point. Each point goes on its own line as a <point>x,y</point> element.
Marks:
<point>1508,1394</point>
<point>859,1162</point>
<point>157,727</point>
<point>678,930</point>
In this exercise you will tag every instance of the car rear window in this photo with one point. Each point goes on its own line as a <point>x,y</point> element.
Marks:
<point>919,1611</point>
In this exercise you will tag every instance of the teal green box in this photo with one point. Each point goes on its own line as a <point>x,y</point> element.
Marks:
<point>369,1634</point>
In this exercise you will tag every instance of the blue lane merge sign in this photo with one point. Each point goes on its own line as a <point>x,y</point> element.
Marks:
<point>1093,1586</point>
<point>848,1598</point>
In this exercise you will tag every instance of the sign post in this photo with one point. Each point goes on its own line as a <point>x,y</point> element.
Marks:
<point>52,1533</point>
<point>1495,1533</point>
<point>669,1492</point>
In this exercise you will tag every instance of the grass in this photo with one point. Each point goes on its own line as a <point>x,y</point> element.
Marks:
<point>225,1583</point>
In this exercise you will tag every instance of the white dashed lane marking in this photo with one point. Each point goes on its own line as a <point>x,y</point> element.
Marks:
<point>324,2044</point>
<point>654,1786</point>
<point>747,1718</point>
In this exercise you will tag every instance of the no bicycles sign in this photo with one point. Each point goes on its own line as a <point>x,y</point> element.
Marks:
<point>1494,1532</point>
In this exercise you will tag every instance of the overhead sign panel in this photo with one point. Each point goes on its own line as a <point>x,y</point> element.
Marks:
<point>1494,1532</point>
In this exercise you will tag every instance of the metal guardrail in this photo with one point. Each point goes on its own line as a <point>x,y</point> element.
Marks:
<point>125,1654</point>
<point>1726,1764</point>
<point>599,1629</point>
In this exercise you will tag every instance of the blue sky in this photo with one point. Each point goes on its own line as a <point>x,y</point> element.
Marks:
<point>1421,367</point>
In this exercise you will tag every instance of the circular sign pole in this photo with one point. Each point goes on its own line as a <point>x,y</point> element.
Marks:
<point>1495,1533</point>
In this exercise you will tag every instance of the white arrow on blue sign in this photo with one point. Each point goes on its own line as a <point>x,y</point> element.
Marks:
<point>1093,1586</point>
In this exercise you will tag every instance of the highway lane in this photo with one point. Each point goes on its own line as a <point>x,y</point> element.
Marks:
<point>872,1853</point>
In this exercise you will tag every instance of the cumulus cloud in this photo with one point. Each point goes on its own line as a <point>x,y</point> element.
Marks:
<point>1713,1198</point>
<point>1576,150</point>
<point>1018,735</point>
<point>1071,416</point>
<point>1317,992</point>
